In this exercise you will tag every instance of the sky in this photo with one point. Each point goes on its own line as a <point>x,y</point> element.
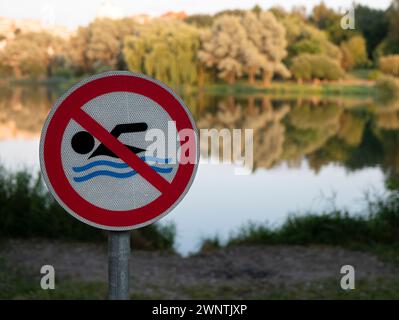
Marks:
<point>73,13</point>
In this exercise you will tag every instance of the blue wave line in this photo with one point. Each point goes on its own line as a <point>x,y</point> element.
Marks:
<point>118,175</point>
<point>117,165</point>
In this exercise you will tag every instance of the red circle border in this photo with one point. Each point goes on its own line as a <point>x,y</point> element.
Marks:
<point>57,123</point>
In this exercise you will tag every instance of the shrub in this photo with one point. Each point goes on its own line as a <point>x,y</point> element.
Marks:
<point>387,88</point>
<point>390,65</point>
<point>315,66</point>
<point>378,226</point>
<point>27,210</point>
<point>211,244</point>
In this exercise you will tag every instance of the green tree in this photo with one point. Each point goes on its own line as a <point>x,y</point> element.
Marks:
<point>231,12</point>
<point>354,53</point>
<point>327,19</point>
<point>315,66</point>
<point>166,50</point>
<point>200,20</point>
<point>305,38</point>
<point>323,17</point>
<point>373,24</point>
<point>392,41</point>
<point>279,12</point>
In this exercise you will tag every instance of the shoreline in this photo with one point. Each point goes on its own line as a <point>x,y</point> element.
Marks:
<point>243,272</point>
<point>357,87</point>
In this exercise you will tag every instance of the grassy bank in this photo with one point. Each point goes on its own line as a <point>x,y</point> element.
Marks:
<point>20,284</point>
<point>323,89</point>
<point>366,289</point>
<point>28,211</point>
<point>354,87</point>
<point>376,230</point>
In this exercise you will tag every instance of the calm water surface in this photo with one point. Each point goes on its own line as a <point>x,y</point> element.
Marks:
<point>310,154</point>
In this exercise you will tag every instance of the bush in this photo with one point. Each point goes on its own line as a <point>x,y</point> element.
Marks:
<point>390,65</point>
<point>387,88</point>
<point>379,227</point>
<point>315,66</point>
<point>27,210</point>
<point>211,244</point>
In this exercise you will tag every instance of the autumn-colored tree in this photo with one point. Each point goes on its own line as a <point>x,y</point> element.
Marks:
<point>99,46</point>
<point>323,17</point>
<point>354,53</point>
<point>200,20</point>
<point>30,54</point>
<point>390,64</point>
<point>254,61</point>
<point>78,46</point>
<point>268,37</point>
<point>223,47</point>
<point>328,19</point>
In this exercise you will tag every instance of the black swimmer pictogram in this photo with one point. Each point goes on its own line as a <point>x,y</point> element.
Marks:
<point>83,142</point>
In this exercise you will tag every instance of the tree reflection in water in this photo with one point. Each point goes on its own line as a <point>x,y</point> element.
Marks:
<point>353,132</point>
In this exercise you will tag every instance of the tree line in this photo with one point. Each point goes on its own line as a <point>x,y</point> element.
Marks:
<point>285,130</point>
<point>253,45</point>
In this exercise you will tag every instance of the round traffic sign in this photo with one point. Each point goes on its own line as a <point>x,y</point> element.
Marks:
<point>119,150</point>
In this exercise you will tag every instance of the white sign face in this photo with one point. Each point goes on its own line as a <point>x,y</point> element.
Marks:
<point>101,177</point>
<point>111,150</point>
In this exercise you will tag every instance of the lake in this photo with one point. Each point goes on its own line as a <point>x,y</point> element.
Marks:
<point>310,154</point>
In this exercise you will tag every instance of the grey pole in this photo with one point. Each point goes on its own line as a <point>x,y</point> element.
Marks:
<point>118,265</point>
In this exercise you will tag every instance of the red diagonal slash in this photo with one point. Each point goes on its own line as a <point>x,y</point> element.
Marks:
<point>118,148</point>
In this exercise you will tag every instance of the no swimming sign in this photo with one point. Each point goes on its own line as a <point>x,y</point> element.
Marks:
<point>119,150</point>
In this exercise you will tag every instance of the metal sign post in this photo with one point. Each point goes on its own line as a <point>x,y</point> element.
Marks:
<point>98,163</point>
<point>118,265</point>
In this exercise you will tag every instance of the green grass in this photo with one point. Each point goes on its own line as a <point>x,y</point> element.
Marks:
<point>364,74</point>
<point>28,211</point>
<point>323,89</point>
<point>376,231</point>
<point>378,226</point>
<point>15,281</point>
<point>329,289</point>
<point>20,283</point>
<point>386,253</point>
<point>379,288</point>
<point>68,290</point>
